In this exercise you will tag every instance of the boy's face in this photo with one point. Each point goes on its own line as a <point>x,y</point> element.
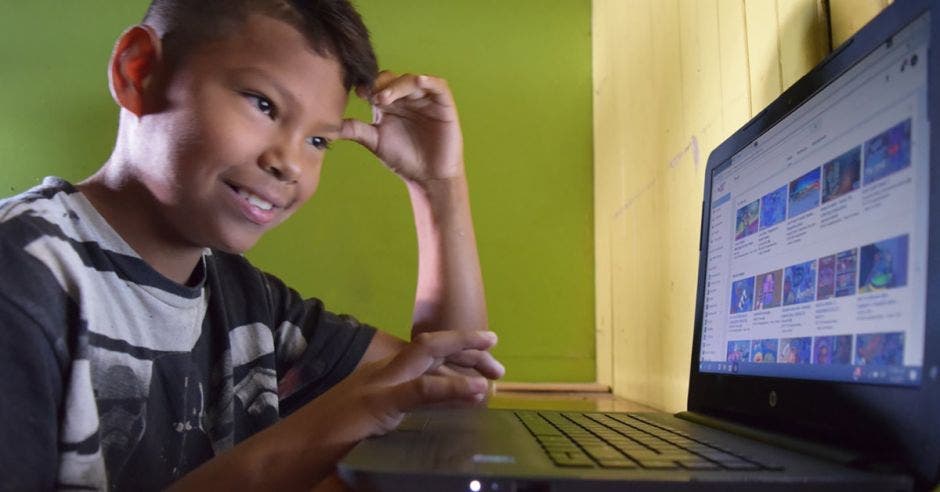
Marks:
<point>238,142</point>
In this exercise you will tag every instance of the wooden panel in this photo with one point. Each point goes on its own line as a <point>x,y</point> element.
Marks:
<point>639,295</point>
<point>803,38</point>
<point>763,53</point>
<point>608,184</point>
<point>847,16</point>
<point>672,80</point>
<point>735,81</point>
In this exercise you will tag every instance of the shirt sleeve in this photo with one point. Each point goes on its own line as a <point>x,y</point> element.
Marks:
<point>316,349</point>
<point>31,386</point>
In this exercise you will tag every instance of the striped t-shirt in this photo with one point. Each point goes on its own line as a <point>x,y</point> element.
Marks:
<point>115,377</point>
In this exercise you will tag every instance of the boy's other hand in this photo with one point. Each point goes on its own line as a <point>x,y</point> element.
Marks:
<point>375,398</point>
<point>415,130</point>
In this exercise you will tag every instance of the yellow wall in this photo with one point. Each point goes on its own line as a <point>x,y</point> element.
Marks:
<point>849,15</point>
<point>671,81</point>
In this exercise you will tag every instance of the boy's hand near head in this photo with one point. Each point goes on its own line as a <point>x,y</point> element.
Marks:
<point>415,130</point>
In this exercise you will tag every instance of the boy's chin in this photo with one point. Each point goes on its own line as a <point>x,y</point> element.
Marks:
<point>232,250</point>
<point>235,246</point>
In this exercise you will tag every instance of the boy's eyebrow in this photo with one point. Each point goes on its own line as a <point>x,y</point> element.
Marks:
<point>285,93</point>
<point>280,89</point>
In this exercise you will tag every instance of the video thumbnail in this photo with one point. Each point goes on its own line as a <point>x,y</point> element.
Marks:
<point>739,351</point>
<point>773,207</point>
<point>748,216</point>
<point>764,350</point>
<point>799,283</point>
<point>795,350</point>
<point>846,265</point>
<point>888,153</point>
<point>804,193</point>
<point>880,349</point>
<point>768,291</point>
<point>826,281</point>
<point>832,350</point>
<point>742,295</point>
<point>841,175</point>
<point>883,265</point>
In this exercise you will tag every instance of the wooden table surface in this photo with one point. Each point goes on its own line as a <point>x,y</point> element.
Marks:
<point>551,400</point>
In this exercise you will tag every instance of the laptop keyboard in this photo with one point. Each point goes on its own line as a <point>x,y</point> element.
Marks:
<point>627,441</point>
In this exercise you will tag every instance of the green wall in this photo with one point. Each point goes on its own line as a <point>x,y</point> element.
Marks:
<point>521,73</point>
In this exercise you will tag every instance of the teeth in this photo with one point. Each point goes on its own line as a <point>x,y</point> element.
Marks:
<point>256,201</point>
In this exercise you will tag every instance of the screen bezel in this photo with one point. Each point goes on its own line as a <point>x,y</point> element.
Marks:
<point>898,422</point>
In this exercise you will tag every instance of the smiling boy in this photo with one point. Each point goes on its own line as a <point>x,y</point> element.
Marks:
<point>140,348</point>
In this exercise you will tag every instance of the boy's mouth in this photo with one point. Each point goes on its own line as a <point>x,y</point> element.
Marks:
<point>255,200</point>
<point>256,208</point>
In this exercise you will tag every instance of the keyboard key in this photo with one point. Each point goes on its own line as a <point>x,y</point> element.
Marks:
<point>698,464</point>
<point>571,459</point>
<point>658,464</point>
<point>615,463</point>
<point>739,465</point>
<point>561,447</point>
<point>603,453</point>
<point>554,439</point>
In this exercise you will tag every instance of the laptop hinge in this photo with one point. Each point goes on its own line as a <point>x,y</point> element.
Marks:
<point>822,451</point>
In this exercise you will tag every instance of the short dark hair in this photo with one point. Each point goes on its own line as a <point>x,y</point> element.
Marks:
<point>332,27</point>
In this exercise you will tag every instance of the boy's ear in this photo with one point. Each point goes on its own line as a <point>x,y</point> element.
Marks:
<point>136,55</point>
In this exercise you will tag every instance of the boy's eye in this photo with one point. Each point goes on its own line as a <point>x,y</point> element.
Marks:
<point>262,103</point>
<point>319,142</point>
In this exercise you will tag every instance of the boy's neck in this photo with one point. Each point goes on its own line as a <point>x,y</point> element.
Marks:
<point>130,210</point>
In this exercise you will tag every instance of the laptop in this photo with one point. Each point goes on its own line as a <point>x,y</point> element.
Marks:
<point>816,346</point>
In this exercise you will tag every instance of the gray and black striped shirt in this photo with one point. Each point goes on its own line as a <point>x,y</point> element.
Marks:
<point>115,377</point>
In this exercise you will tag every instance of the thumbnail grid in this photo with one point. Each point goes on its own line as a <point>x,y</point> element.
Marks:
<point>869,349</point>
<point>873,267</point>
<point>884,154</point>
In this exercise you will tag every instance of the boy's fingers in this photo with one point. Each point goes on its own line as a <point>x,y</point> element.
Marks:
<point>392,90</point>
<point>413,88</point>
<point>440,344</point>
<point>430,348</point>
<point>382,80</point>
<point>431,389</point>
<point>480,360</point>
<point>438,89</point>
<point>361,133</point>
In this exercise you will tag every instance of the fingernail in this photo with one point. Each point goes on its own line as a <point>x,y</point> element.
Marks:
<point>479,385</point>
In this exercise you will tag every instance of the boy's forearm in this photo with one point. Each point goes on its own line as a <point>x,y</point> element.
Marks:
<point>294,454</point>
<point>450,293</point>
<point>302,450</point>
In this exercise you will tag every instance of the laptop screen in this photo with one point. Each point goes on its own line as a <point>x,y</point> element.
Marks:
<point>817,240</point>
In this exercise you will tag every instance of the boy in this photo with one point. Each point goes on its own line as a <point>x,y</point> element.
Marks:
<point>141,350</point>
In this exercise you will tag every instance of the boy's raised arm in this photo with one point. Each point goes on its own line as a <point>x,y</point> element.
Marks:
<point>416,133</point>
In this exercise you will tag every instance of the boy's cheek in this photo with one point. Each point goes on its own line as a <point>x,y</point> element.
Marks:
<point>309,184</point>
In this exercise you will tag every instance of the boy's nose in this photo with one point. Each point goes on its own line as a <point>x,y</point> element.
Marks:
<point>280,165</point>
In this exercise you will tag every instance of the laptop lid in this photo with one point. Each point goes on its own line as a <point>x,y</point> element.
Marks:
<point>819,253</point>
